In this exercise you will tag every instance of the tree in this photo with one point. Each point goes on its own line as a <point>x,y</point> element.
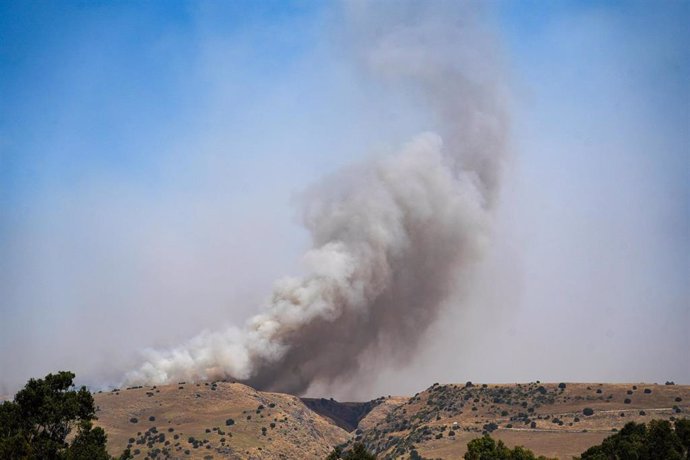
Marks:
<point>485,448</point>
<point>36,424</point>
<point>656,441</point>
<point>358,452</point>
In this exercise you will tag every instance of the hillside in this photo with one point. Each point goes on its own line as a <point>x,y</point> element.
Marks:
<point>546,418</point>
<point>191,420</point>
<point>213,420</point>
<point>346,415</point>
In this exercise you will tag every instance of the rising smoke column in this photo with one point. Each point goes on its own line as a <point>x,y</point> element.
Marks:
<point>391,238</point>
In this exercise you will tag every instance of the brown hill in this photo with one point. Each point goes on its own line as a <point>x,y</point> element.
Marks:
<point>231,420</point>
<point>547,418</point>
<point>213,420</point>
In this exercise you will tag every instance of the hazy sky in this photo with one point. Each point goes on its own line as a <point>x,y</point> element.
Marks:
<point>151,155</point>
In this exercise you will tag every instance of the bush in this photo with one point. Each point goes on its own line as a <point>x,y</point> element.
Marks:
<point>657,440</point>
<point>133,420</point>
<point>152,419</point>
<point>489,427</point>
<point>647,391</point>
<point>561,386</point>
<point>627,401</point>
<point>229,422</point>
<point>587,411</point>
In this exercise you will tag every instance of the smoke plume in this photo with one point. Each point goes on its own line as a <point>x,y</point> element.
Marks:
<point>392,238</point>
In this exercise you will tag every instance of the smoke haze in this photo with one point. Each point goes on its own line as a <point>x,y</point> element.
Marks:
<point>390,237</point>
<point>485,192</point>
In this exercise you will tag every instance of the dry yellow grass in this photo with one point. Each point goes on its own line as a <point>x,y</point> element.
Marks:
<point>418,422</point>
<point>200,411</point>
<point>393,427</point>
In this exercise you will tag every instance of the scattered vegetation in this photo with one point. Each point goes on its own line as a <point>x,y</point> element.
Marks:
<point>358,452</point>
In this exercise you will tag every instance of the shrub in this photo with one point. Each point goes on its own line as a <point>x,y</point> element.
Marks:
<point>587,411</point>
<point>133,420</point>
<point>627,401</point>
<point>561,385</point>
<point>229,422</point>
<point>152,419</point>
<point>647,391</point>
<point>679,399</point>
<point>657,440</point>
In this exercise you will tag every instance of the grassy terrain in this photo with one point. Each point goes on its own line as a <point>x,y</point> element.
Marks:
<point>189,420</point>
<point>214,420</point>
<point>546,418</point>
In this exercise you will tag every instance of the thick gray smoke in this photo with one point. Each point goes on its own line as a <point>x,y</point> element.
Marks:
<point>392,238</point>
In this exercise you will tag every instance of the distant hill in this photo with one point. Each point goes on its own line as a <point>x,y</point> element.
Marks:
<point>346,415</point>
<point>231,420</point>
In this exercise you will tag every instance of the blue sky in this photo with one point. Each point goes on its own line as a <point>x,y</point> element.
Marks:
<point>151,154</point>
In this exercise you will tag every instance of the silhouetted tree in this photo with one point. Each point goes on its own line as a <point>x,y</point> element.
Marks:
<point>36,423</point>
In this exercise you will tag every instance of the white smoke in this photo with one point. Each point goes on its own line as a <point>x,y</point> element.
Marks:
<point>390,237</point>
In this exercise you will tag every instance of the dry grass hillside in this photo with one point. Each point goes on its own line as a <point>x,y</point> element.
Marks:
<point>213,420</point>
<point>547,418</point>
<point>231,420</point>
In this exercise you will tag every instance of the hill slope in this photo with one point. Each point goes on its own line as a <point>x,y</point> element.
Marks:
<point>346,415</point>
<point>189,420</point>
<point>546,418</point>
